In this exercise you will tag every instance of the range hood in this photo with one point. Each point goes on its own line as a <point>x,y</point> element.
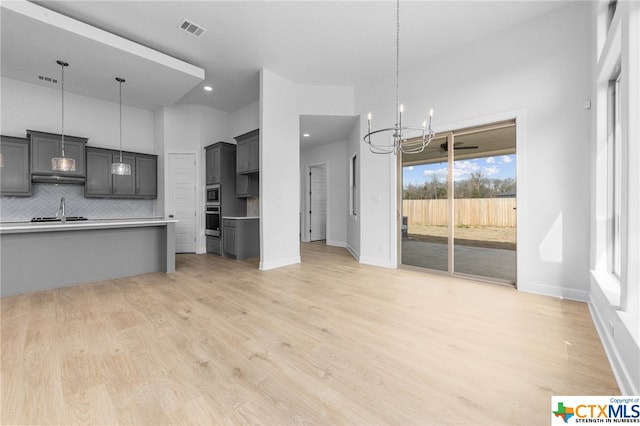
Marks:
<point>74,180</point>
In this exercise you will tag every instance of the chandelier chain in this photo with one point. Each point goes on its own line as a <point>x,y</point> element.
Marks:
<point>398,56</point>
<point>397,139</point>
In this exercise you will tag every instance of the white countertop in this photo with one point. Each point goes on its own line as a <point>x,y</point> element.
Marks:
<point>22,227</point>
<point>241,217</point>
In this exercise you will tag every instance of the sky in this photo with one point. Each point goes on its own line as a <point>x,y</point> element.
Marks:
<point>497,167</point>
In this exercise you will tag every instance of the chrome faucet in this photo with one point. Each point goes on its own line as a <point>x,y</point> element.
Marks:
<point>62,212</point>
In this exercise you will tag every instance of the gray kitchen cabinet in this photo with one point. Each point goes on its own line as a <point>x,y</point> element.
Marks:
<point>214,245</point>
<point>213,164</point>
<point>229,237</point>
<point>99,180</point>
<point>248,155</point>
<point>15,173</point>
<point>247,185</point>
<point>146,176</point>
<point>100,183</point>
<point>241,237</point>
<point>45,146</point>
<point>220,169</point>
<point>125,185</point>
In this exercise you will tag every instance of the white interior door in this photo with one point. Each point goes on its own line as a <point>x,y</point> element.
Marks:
<point>318,202</point>
<point>182,199</point>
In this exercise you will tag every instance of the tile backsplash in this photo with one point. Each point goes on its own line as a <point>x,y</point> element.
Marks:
<point>45,201</point>
<point>253,206</point>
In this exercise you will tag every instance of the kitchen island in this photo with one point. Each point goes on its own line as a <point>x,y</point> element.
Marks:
<point>41,256</point>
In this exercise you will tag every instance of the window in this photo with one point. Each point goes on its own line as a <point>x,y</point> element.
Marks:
<point>614,175</point>
<point>353,184</point>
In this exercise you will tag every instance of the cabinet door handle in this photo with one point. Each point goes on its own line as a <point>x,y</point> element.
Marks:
<point>170,216</point>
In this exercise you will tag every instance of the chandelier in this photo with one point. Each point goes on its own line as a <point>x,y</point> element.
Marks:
<point>121,168</point>
<point>62,163</point>
<point>399,138</point>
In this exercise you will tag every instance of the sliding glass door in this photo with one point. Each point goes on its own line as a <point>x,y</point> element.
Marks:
<point>458,204</point>
<point>425,208</point>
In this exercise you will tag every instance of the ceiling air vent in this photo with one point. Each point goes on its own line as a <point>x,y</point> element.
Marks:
<point>193,29</point>
<point>48,79</point>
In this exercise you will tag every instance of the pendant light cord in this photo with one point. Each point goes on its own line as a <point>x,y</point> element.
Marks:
<point>62,130</point>
<point>120,81</point>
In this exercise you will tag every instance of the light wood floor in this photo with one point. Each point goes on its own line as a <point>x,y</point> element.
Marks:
<point>328,341</point>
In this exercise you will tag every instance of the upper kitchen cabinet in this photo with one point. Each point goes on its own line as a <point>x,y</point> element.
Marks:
<point>212,160</point>
<point>146,176</point>
<point>15,174</point>
<point>248,158</point>
<point>220,164</point>
<point>100,183</point>
<point>45,146</point>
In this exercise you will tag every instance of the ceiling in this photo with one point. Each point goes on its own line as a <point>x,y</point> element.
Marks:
<point>307,42</point>
<point>323,129</point>
<point>485,141</point>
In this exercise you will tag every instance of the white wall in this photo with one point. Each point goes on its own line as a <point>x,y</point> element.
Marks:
<point>29,106</point>
<point>282,103</point>
<point>538,72</point>
<point>279,165</point>
<point>334,155</point>
<point>245,119</point>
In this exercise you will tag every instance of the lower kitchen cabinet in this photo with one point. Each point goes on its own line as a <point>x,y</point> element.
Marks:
<point>15,173</point>
<point>241,237</point>
<point>214,245</point>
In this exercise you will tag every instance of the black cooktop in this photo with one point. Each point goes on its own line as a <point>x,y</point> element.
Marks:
<point>58,219</point>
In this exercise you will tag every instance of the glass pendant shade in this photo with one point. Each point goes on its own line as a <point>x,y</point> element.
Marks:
<point>122,169</point>
<point>63,164</point>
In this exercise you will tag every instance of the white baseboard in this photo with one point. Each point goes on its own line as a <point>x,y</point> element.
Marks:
<point>336,243</point>
<point>555,291</point>
<point>625,383</point>
<point>273,264</point>
<point>354,252</point>
<point>385,263</point>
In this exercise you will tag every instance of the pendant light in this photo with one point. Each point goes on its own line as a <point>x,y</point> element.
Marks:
<point>120,168</point>
<point>62,163</point>
<point>398,141</point>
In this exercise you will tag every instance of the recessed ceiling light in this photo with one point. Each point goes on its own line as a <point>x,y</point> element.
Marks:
<point>208,88</point>
<point>305,135</point>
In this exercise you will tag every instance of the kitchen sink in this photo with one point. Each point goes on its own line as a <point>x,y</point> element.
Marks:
<point>58,219</point>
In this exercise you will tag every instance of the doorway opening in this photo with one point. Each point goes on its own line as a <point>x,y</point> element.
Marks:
<point>459,201</point>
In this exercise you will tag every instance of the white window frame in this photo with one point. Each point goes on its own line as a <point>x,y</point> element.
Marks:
<point>615,168</point>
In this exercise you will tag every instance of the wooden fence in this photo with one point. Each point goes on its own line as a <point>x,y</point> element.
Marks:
<point>468,211</point>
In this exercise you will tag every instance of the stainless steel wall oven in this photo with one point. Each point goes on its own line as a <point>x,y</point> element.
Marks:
<point>212,220</point>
